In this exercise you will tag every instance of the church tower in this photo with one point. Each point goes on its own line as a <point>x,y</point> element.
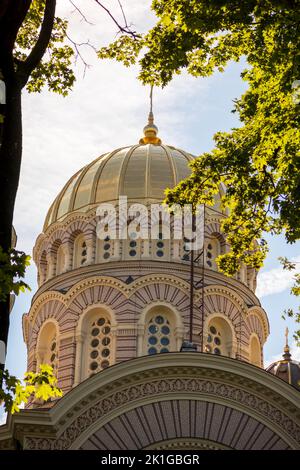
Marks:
<point>104,301</point>
<point>112,314</point>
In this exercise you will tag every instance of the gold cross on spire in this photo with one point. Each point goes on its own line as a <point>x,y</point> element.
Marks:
<point>150,130</point>
<point>287,337</point>
<point>286,354</point>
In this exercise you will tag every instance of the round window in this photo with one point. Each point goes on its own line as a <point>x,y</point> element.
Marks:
<point>93,365</point>
<point>213,330</point>
<point>101,321</point>
<point>165,341</point>
<point>95,331</point>
<point>152,351</point>
<point>106,341</point>
<point>165,330</point>
<point>153,329</point>
<point>94,354</point>
<point>159,319</point>
<point>133,235</point>
<point>94,343</point>
<point>152,340</point>
<point>132,253</point>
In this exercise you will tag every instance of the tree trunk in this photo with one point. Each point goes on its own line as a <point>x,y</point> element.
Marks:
<point>10,162</point>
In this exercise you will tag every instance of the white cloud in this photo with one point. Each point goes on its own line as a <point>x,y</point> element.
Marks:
<point>105,110</point>
<point>275,281</point>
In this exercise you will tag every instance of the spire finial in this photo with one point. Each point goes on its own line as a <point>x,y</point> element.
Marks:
<point>286,337</point>
<point>150,130</point>
<point>287,354</point>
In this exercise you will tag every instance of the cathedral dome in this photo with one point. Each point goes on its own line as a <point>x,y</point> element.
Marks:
<point>286,369</point>
<point>141,172</point>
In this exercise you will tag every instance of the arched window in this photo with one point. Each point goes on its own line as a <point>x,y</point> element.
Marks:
<point>160,245</point>
<point>99,344</point>
<point>43,268</point>
<point>134,244</point>
<point>96,349</point>
<point>218,338</point>
<point>80,252</point>
<point>105,249</point>
<point>212,251</point>
<point>251,278</point>
<point>162,331</point>
<point>158,336</point>
<point>47,346</point>
<point>60,260</point>
<point>255,351</point>
<point>242,274</point>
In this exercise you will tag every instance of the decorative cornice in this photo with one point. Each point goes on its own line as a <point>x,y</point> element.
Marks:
<point>123,387</point>
<point>127,290</point>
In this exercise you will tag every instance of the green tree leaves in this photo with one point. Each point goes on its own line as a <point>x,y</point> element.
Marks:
<point>55,68</point>
<point>12,272</point>
<point>259,163</point>
<point>41,385</point>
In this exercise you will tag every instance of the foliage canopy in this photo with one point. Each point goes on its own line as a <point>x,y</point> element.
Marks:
<point>259,162</point>
<point>42,385</point>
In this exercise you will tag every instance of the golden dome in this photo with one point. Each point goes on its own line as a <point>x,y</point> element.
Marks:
<point>141,172</point>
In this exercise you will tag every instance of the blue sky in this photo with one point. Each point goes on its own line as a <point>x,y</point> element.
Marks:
<point>108,109</point>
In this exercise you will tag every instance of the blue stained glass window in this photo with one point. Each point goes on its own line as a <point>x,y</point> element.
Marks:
<point>165,341</point>
<point>152,351</point>
<point>159,319</point>
<point>152,340</point>
<point>153,329</point>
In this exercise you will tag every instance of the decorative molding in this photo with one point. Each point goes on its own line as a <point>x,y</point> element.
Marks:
<point>163,388</point>
<point>174,376</point>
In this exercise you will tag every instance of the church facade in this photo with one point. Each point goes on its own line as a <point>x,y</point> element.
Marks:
<point>111,316</point>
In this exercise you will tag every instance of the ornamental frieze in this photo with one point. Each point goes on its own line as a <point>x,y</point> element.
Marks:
<point>165,388</point>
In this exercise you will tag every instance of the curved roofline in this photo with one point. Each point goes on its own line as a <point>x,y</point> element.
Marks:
<point>102,161</point>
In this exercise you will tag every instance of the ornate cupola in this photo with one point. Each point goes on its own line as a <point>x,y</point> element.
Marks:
<point>286,368</point>
<point>104,301</point>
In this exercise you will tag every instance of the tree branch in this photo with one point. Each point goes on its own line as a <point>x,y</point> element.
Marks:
<point>12,15</point>
<point>77,46</point>
<point>41,45</point>
<point>123,29</point>
<point>84,18</point>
